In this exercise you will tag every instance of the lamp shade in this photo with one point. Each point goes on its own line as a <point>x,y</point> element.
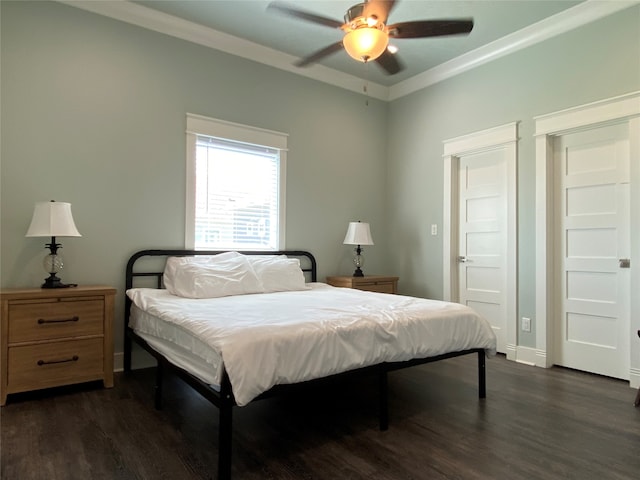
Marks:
<point>358,233</point>
<point>365,43</point>
<point>52,219</point>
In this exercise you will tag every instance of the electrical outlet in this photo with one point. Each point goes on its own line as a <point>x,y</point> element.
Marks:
<point>434,229</point>
<point>526,324</point>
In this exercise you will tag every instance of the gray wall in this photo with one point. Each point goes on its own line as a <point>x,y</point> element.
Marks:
<point>595,62</point>
<point>93,113</point>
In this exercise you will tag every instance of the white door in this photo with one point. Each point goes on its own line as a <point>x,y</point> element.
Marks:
<point>483,237</point>
<point>592,248</point>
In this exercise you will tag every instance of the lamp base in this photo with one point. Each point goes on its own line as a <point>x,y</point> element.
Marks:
<point>358,273</point>
<point>54,282</point>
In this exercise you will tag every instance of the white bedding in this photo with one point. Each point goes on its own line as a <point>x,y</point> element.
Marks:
<point>289,337</point>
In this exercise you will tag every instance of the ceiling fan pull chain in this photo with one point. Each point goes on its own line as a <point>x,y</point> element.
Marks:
<point>365,88</point>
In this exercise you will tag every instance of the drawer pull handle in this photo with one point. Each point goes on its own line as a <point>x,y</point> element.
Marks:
<point>58,320</point>
<point>75,358</point>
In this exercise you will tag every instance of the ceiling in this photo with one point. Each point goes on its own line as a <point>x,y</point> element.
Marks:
<point>250,20</point>
<point>247,28</point>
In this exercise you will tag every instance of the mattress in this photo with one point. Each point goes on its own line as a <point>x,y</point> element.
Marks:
<point>184,351</point>
<point>268,339</point>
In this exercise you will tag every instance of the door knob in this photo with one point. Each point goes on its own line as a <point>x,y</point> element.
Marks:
<point>625,263</point>
<point>462,259</point>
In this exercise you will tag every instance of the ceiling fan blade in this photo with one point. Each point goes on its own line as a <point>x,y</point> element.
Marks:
<point>389,62</point>
<point>319,55</point>
<point>309,17</point>
<point>429,28</point>
<point>379,9</point>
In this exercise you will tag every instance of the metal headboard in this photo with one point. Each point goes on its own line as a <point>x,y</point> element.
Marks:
<point>307,262</point>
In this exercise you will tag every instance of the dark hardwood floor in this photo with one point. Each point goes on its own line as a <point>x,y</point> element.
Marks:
<point>534,424</point>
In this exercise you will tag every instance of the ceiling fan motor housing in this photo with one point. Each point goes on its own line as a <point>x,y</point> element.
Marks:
<point>354,12</point>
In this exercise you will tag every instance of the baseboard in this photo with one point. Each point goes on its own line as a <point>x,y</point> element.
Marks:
<point>634,377</point>
<point>139,359</point>
<point>528,356</point>
<point>118,361</point>
<point>538,358</point>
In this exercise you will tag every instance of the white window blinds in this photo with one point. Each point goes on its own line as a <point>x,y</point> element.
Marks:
<point>235,199</point>
<point>236,195</point>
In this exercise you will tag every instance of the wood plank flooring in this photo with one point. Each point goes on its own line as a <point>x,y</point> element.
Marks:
<point>534,424</point>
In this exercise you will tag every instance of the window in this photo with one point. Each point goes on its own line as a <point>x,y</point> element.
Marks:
<point>235,186</point>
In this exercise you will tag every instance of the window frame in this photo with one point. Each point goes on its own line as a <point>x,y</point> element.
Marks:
<point>235,132</point>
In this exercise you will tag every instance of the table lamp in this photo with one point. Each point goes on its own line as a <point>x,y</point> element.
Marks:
<point>358,234</point>
<point>53,219</point>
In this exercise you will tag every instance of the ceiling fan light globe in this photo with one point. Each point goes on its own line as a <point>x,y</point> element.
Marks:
<point>365,44</point>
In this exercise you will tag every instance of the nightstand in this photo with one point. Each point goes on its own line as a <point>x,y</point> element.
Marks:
<point>54,337</point>
<point>373,283</point>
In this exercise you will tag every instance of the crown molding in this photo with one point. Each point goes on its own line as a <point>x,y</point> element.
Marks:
<point>565,21</point>
<point>145,17</point>
<point>150,19</point>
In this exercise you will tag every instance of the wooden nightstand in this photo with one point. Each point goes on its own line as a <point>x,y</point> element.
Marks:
<point>53,337</point>
<point>373,283</point>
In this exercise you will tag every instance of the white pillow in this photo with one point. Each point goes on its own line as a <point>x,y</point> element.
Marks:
<point>213,276</point>
<point>173,264</point>
<point>277,273</point>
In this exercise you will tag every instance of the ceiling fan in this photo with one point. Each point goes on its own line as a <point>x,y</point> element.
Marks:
<point>366,33</point>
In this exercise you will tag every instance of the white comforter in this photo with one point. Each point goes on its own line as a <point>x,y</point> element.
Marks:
<point>289,337</point>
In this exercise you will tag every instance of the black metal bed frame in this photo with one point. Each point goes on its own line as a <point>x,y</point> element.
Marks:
<point>223,398</point>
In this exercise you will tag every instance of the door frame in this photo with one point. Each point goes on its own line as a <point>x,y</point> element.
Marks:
<point>621,109</point>
<point>506,137</point>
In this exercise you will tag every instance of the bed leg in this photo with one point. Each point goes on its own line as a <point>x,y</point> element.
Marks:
<point>157,389</point>
<point>482,375</point>
<point>384,399</point>
<point>224,430</point>
<point>224,439</point>
<point>127,353</point>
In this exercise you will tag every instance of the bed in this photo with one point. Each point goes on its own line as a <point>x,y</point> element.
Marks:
<point>241,326</point>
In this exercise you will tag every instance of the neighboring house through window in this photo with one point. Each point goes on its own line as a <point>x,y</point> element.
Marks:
<point>235,186</point>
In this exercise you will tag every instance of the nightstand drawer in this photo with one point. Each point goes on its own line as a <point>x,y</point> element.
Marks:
<point>381,287</point>
<point>32,321</point>
<point>52,364</point>
<point>372,283</point>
